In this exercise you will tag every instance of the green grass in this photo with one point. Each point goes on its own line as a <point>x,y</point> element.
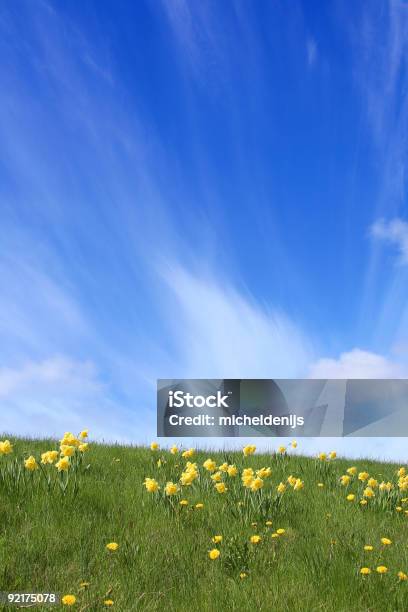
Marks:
<point>53,541</point>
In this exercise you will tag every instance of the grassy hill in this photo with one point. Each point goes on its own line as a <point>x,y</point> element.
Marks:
<point>54,527</point>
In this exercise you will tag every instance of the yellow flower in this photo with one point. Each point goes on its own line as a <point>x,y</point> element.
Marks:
<point>345,480</point>
<point>243,575</point>
<point>108,602</point>
<point>151,485</point>
<point>257,484</point>
<point>351,497</point>
<point>174,450</point>
<point>6,447</point>
<point>188,453</point>
<point>382,569</point>
<point>184,502</point>
<point>282,450</point>
<point>84,434</point>
<point>281,488</point>
<point>154,446</point>
<point>386,486</point>
<point>214,553</point>
<point>368,492</point>
<point>332,455</point>
<point>171,488</point>
<point>210,465</point>
<point>83,447</point>
<point>69,439</point>
<point>386,541</point>
<point>255,539</point>
<point>112,546</point>
<point>264,472</point>
<point>363,476</point>
<point>249,450</point>
<point>63,464</point>
<point>292,480</point>
<point>199,506</point>
<point>84,585</point>
<point>322,456</point>
<point>320,485</point>
<point>217,477</point>
<point>68,600</point>
<point>31,464</point>
<point>280,531</point>
<point>275,535</point>
<point>365,571</point>
<point>399,508</point>
<point>352,471</point>
<point>373,483</point>
<point>368,547</point>
<point>401,472</point>
<point>294,444</point>
<point>223,467</point>
<point>217,539</point>
<point>268,523</point>
<point>67,450</point>
<point>232,470</point>
<point>49,457</point>
<point>402,576</point>
<point>221,488</point>
<point>363,502</point>
<point>299,484</point>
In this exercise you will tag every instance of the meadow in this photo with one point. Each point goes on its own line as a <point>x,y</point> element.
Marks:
<point>132,528</point>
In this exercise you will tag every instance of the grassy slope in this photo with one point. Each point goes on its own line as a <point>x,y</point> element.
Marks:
<point>50,542</point>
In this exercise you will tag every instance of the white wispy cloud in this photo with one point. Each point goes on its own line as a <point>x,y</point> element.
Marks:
<point>311,51</point>
<point>358,363</point>
<point>219,332</point>
<point>46,398</point>
<point>394,232</point>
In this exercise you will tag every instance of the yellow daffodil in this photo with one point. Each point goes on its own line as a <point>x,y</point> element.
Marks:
<point>243,575</point>
<point>6,447</point>
<point>282,450</point>
<point>187,454</point>
<point>112,546</point>
<point>299,484</point>
<point>210,465</point>
<point>154,446</point>
<point>84,434</point>
<point>373,483</point>
<point>67,450</point>
<point>345,480</point>
<point>217,539</point>
<point>320,485</point>
<point>68,600</point>
<point>294,444</point>
<point>255,539</point>
<point>63,464</point>
<point>214,553</point>
<point>332,455</point>
<point>151,485</point>
<point>351,497</point>
<point>83,447</point>
<point>368,547</point>
<point>221,488</point>
<point>386,541</point>
<point>223,467</point>
<point>174,450</point>
<point>280,531</point>
<point>257,484</point>
<point>402,576</point>
<point>199,506</point>
<point>108,602</point>
<point>184,502</point>
<point>365,571</point>
<point>216,477</point>
<point>31,464</point>
<point>249,450</point>
<point>352,471</point>
<point>363,476</point>
<point>322,456</point>
<point>171,488</point>
<point>368,492</point>
<point>232,471</point>
<point>382,569</point>
<point>281,488</point>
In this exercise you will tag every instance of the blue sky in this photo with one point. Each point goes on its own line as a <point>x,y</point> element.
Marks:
<point>197,189</point>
